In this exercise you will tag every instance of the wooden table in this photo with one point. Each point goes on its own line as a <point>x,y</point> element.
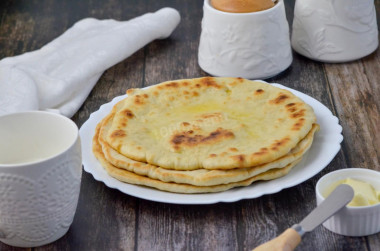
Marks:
<point>107,219</point>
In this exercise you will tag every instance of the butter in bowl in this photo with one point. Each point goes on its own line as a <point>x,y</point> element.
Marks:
<point>361,217</point>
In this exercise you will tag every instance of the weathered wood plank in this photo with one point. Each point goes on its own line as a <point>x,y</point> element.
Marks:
<point>184,227</point>
<point>355,88</point>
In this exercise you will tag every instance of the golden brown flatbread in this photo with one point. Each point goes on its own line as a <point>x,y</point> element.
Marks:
<point>132,178</point>
<point>199,177</point>
<point>209,123</point>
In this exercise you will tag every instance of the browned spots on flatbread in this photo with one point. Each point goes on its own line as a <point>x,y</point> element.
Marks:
<point>128,113</point>
<point>233,84</point>
<point>138,100</point>
<point>195,94</point>
<point>155,93</point>
<point>262,151</point>
<point>118,134</point>
<point>123,122</point>
<point>172,85</point>
<point>212,155</point>
<point>236,82</point>
<point>145,95</point>
<point>259,153</point>
<point>297,126</point>
<point>208,82</point>
<point>290,104</point>
<point>188,140</point>
<point>233,149</point>
<point>239,158</point>
<point>298,114</point>
<point>293,108</point>
<point>280,99</point>
<point>185,123</point>
<point>185,83</point>
<point>186,92</point>
<point>130,91</point>
<point>279,143</point>
<point>259,91</point>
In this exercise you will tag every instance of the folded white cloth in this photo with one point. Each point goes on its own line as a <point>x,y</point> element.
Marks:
<point>62,73</point>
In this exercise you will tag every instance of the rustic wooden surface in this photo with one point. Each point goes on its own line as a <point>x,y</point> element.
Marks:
<point>107,219</point>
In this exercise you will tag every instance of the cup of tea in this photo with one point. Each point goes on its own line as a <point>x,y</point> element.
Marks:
<point>40,176</point>
<point>253,44</point>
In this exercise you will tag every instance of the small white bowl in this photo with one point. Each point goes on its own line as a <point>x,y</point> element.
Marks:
<point>352,221</point>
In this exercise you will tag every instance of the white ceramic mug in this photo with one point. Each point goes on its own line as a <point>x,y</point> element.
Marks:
<point>252,45</point>
<point>40,176</point>
<point>335,30</point>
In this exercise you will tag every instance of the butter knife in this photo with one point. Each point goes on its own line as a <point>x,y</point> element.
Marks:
<point>291,237</point>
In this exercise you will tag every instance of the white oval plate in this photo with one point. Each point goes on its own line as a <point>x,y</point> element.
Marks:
<point>324,148</point>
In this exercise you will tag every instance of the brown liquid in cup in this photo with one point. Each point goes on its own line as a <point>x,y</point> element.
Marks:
<point>242,6</point>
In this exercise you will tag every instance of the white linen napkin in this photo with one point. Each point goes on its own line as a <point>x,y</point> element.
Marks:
<point>62,73</point>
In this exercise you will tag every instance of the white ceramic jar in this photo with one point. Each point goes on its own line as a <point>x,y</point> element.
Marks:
<point>334,30</point>
<point>252,45</point>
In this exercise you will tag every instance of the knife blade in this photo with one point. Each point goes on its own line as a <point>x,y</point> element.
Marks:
<point>340,197</point>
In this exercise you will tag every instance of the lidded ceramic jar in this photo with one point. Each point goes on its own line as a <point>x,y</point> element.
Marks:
<point>334,30</point>
<point>254,45</point>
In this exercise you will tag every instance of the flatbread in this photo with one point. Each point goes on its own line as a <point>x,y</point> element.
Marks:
<point>199,177</point>
<point>132,178</point>
<point>210,123</point>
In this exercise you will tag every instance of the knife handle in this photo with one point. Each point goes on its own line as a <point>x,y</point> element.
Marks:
<point>287,241</point>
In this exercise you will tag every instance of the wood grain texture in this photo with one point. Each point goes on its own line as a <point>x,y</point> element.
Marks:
<point>355,88</point>
<point>107,219</point>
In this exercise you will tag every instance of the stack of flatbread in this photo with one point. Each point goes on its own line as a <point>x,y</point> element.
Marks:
<point>204,135</point>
